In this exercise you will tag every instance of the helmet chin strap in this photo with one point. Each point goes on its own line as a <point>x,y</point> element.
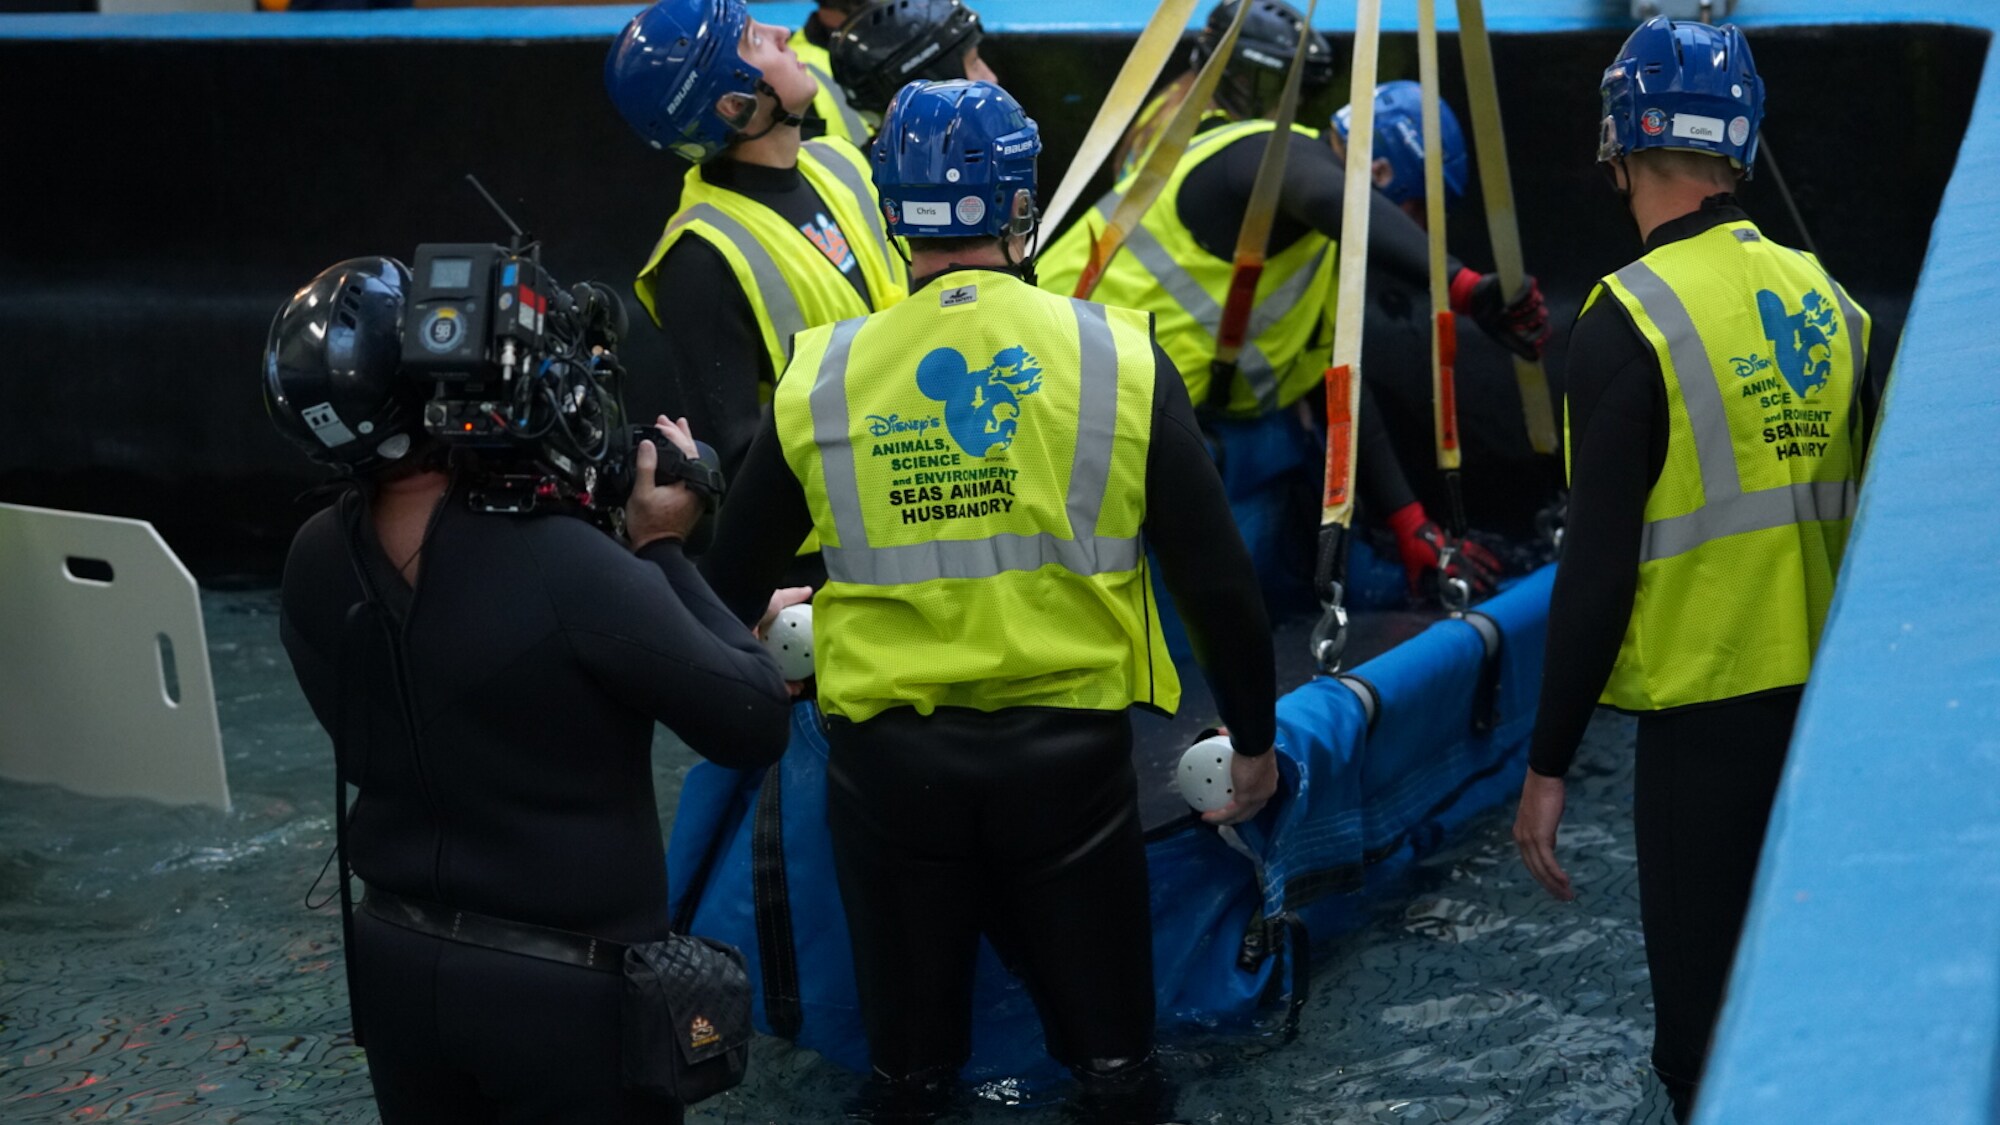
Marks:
<point>780,116</point>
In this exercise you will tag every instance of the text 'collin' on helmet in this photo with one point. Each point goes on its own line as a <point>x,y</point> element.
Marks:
<point>333,382</point>
<point>1399,139</point>
<point>1683,86</point>
<point>1264,47</point>
<point>951,158</point>
<point>670,68</point>
<point>889,45</point>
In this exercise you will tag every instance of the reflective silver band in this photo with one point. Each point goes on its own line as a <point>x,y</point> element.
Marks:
<point>1701,392</point>
<point>1195,300</point>
<point>1750,511</point>
<point>1088,553</point>
<point>828,403</point>
<point>786,319</point>
<point>857,186</point>
<point>850,118</point>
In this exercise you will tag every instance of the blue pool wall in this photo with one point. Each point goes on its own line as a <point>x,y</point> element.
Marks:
<point>1867,988</point>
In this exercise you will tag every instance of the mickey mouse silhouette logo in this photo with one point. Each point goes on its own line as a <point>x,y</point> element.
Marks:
<point>982,407</point>
<point>1802,342</point>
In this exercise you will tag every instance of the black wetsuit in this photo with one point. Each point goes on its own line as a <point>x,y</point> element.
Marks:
<point>1707,774</point>
<point>539,654</point>
<point>1022,824</point>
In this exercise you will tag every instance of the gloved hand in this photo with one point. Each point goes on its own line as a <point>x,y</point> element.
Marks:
<point>1521,325</point>
<point>1421,542</point>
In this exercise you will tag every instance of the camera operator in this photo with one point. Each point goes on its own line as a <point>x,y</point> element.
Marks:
<point>490,683</point>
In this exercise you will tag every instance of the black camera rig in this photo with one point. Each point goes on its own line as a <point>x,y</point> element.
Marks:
<point>524,374</point>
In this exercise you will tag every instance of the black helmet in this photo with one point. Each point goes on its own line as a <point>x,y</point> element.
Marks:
<point>1263,54</point>
<point>333,363</point>
<point>890,45</point>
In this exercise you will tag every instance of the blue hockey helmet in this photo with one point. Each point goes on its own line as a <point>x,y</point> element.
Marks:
<point>951,158</point>
<point>1684,86</point>
<point>670,67</point>
<point>1399,139</point>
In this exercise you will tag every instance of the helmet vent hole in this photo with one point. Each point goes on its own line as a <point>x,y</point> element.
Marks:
<point>347,318</point>
<point>973,157</point>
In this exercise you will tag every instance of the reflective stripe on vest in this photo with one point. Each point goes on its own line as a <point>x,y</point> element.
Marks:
<point>857,185</point>
<point>855,130</point>
<point>1726,509</point>
<point>1188,293</point>
<point>779,301</point>
<point>1088,553</point>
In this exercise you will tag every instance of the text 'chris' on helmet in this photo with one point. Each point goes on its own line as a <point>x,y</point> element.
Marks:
<point>1265,44</point>
<point>670,69</point>
<point>1399,139</point>
<point>889,45</point>
<point>333,382</point>
<point>1687,86</point>
<point>951,159</point>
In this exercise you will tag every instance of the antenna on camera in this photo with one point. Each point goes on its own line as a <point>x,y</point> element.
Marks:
<point>521,239</point>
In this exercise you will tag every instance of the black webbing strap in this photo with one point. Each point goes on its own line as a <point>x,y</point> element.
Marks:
<point>772,900</point>
<point>1486,697</point>
<point>1298,949</point>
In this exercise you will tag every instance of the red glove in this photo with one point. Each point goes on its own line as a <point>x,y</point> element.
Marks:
<point>1421,542</point>
<point>1521,325</point>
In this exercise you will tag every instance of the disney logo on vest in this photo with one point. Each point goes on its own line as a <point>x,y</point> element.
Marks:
<point>878,426</point>
<point>1801,342</point>
<point>982,405</point>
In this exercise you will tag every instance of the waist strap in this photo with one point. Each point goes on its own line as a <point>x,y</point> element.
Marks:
<point>468,928</point>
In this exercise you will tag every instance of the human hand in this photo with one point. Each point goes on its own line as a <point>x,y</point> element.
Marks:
<point>1254,781</point>
<point>1521,325</point>
<point>780,601</point>
<point>1535,826</point>
<point>654,512</point>
<point>1420,543</point>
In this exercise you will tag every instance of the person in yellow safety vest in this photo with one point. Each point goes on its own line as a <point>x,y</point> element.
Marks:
<point>884,47</point>
<point>983,463</point>
<point>1713,413</point>
<point>1178,263</point>
<point>773,236</point>
<point>831,115</point>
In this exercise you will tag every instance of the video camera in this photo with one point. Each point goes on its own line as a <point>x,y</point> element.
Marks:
<point>525,374</point>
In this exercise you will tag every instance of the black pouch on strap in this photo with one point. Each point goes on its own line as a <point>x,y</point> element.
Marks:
<point>687,1018</point>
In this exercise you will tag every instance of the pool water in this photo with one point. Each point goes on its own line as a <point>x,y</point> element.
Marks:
<point>161,965</point>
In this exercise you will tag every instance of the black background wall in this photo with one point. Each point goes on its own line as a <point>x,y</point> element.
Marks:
<point>162,199</point>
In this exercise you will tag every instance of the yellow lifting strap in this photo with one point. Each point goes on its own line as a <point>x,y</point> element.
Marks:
<point>1497,185</point>
<point>1454,592</point>
<point>1343,377</point>
<point>1149,56</point>
<point>1254,237</point>
<point>1160,161</point>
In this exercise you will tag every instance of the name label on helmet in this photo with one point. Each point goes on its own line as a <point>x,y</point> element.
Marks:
<point>1695,127</point>
<point>926,214</point>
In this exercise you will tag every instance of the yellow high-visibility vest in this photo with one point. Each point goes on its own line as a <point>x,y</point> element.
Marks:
<point>1762,353</point>
<point>830,104</point>
<point>975,461</point>
<point>790,283</point>
<point>1164,271</point>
